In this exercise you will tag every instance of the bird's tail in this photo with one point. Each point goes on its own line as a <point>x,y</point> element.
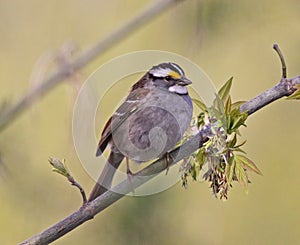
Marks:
<point>105,180</point>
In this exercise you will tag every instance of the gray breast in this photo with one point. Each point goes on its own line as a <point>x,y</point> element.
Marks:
<point>155,127</point>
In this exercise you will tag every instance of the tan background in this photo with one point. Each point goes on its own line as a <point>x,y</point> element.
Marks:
<point>225,38</point>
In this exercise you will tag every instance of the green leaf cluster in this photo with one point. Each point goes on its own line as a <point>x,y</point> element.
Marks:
<point>218,155</point>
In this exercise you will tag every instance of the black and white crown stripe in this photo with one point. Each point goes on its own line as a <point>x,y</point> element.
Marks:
<point>164,70</point>
<point>178,69</point>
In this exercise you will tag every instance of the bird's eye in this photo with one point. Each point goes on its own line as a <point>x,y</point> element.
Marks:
<point>168,78</point>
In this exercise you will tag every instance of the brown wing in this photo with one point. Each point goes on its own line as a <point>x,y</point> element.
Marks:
<point>129,106</point>
<point>106,135</point>
<point>105,138</point>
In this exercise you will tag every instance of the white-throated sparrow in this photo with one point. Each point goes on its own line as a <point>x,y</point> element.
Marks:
<point>148,124</point>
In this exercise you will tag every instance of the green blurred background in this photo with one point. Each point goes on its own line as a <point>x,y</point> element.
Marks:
<point>225,38</point>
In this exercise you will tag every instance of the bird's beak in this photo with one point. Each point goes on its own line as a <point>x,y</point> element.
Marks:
<point>184,81</point>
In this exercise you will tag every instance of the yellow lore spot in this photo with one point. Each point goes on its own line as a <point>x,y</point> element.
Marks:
<point>174,74</point>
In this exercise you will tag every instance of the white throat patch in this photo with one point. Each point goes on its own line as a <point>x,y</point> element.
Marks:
<point>178,89</point>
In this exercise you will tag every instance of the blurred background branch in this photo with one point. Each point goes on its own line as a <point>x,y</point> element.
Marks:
<point>11,112</point>
<point>90,209</point>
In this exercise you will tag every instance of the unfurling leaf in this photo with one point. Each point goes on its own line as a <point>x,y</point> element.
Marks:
<point>200,104</point>
<point>194,170</point>
<point>59,166</point>
<point>238,119</point>
<point>239,145</point>
<point>228,105</point>
<point>248,164</point>
<point>200,157</point>
<point>232,139</point>
<point>224,91</point>
<point>229,170</point>
<point>240,173</point>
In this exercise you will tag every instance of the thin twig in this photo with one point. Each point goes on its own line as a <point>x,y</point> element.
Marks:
<point>74,183</point>
<point>285,87</point>
<point>59,166</point>
<point>63,72</point>
<point>283,64</point>
<point>90,209</point>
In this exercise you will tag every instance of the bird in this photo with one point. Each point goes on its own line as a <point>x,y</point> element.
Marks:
<point>148,124</point>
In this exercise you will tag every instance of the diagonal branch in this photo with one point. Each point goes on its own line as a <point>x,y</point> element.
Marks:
<point>89,210</point>
<point>284,88</point>
<point>11,113</point>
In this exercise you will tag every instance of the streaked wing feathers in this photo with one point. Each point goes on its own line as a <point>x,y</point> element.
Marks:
<point>129,106</point>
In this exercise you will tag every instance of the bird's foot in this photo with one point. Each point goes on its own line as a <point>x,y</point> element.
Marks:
<point>129,175</point>
<point>168,159</point>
